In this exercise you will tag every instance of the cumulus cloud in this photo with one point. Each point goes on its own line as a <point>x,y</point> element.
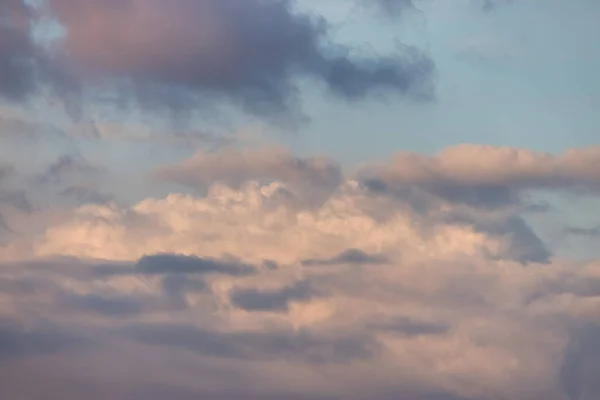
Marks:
<point>181,53</point>
<point>314,176</point>
<point>362,295</point>
<point>487,175</point>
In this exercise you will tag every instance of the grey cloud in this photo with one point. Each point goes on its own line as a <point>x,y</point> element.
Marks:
<point>488,196</point>
<point>525,245</point>
<point>178,264</point>
<point>485,176</point>
<point>391,7</point>
<point>174,265</point>
<point>111,306</point>
<point>176,286</point>
<point>17,199</point>
<point>310,179</point>
<point>300,345</point>
<point>25,66</point>
<point>409,327</point>
<point>10,196</point>
<point>593,232</point>
<point>349,256</point>
<point>11,199</point>
<point>17,51</point>
<point>65,166</point>
<point>581,367</point>
<point>86,195</point>
<point>226,49</point>
<point>274,300</point>
<point>17,342</point>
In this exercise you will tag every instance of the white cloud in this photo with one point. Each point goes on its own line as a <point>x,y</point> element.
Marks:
<point>366,294</point>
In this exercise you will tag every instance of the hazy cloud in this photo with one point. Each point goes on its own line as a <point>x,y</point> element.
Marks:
<point>273,300</point>
<point>589,232</point>
<point>17,51</point>
<point>220,48</point>
<point>349,256</point>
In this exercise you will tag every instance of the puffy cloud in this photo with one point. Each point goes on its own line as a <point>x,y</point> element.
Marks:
<point>315,177</point>
<point>362,295</point>
<point>250,52</point>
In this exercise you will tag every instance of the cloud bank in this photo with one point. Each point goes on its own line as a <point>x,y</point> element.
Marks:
<point>386,288</point>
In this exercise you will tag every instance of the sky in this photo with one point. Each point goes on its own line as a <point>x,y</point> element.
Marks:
<point>299,199</point>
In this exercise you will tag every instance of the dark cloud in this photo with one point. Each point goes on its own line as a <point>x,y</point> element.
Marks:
<point>111,306</point>
<point>485,176</point>
<point>11,199</point>
<point>581,367</point>
<point>65,167</point>
<point>17,199</point>
<point>349,256</point>
<point>174,53</point>
<point>18,342</point>
<point>9,196</point>
<point>422,196</point>
<point>525,246</point>
<point>161,264</point>
<point>17,51</point>
<point>274,300</point>
<point>298,345</point>
<point>172,265</point>
<point>409,327</point>
<point>176,286</point>
<point>26,66</point>
<point>486,196</point>
<point>593,232</point>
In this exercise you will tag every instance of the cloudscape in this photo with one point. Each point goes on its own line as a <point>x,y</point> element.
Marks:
<point>298,199</point>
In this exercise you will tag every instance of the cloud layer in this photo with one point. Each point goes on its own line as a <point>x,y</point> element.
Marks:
<point>367,293</point>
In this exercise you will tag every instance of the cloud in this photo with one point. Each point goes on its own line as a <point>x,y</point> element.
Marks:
<point>487,176</point>
<point>65,167</point>
<point>392,7</point>
<point>589,232</point>
<point>175,54</point>
<point>178,264</point>
<point>582,365</point>
<point>117,306</point>
<point>254,346</point>
<point>16,342</point>
<point>17,51</point>
<point>367,294</point>
<point>12,199</point>
<point>277,300</point>
<point>350,256</point>
<point>471,164</point>
<point>315,177</point>
<point>86,195</point>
